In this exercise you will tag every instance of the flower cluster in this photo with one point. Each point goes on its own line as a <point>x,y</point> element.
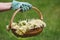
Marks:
<point>23,26</point>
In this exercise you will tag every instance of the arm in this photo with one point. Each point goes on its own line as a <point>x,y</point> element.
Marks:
<point>5,6</point>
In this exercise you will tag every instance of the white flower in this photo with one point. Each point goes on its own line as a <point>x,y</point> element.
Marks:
<point>40,22</point>
<point>22,23</point>
<point>7,27</point>
<point>37,23</point>
<point>14,26</point>
<point>21,30</point>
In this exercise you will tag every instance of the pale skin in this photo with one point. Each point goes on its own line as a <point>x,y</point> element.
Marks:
<point>5,6</point>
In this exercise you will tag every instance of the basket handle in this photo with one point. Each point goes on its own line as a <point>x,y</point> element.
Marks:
<point>36,9</point>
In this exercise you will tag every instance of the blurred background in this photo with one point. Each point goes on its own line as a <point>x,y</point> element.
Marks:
<point>51,12</point>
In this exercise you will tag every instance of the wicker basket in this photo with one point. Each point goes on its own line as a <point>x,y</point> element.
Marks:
<point>31,32</point>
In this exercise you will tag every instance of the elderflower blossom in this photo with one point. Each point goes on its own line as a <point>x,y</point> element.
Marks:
<point>22,26</point>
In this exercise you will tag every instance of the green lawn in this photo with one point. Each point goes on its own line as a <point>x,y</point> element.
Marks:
<point>51,12</point>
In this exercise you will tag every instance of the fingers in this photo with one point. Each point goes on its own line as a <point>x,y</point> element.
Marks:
<point>25,7</point>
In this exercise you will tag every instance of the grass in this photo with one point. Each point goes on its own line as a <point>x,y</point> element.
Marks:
<point>51,12</point>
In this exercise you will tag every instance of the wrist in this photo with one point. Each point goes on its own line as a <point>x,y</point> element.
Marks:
<point>9,5</point>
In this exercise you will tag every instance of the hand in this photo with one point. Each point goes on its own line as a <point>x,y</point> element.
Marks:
<point>24,6</point>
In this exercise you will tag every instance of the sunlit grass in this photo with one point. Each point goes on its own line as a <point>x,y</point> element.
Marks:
<point>51,12</point>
